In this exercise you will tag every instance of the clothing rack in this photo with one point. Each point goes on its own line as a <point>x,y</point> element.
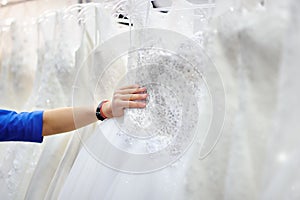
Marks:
<point>12,3</point>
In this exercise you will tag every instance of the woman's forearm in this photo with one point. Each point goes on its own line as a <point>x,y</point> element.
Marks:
<point>62,120</point>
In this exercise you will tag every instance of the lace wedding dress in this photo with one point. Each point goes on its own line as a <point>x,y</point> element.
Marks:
<point>248,54</point>
<point>28,161</point>
<point>145,154</point>
<point>92,20</point>
<point>61,72</point>
<point>24,156</point>
<point>17,78</point>
<point>281,180</point>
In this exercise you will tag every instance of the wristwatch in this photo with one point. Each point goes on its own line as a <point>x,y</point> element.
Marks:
<point>99,113</point>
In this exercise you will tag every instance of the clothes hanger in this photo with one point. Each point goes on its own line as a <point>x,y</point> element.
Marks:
<point>45,15</point>
<point>178,5</point>
<point>74,7</point>
<point>72,12</point>
<point>85,8</point>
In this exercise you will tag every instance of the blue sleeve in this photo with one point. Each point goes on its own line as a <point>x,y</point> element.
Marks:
<point>25,126</point>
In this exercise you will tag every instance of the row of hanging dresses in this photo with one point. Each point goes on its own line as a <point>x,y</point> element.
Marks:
<point>39,60</point>
<point>254,47</point>
<point>248,48</point>
<point>248,58</point>
<point>252,50</point>
<point>95,27</point>
<point>18,68</point>
<point>62,40</point>
<point>24,156</point>
<point>281,180</point>
<point>57,58</point>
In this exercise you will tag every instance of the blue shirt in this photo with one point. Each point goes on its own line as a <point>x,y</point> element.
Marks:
<point>25,126</point>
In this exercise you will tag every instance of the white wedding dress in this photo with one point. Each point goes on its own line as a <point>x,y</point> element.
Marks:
<point>281,178</point>
<point>248,49</point>
<point>17,78</point>
<point>24,157</point>
<point>57,56</point>
<point>105,174</point>
<point>92,20</point>
<point>120,160</point>
<point>65,55</point>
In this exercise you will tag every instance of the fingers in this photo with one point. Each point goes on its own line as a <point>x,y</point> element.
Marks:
<point>130,87</point>
<point>133,104</point>
<point>128,97</point>
<point>129,100</point>
<point>131,90</point>
<point>133,97</point>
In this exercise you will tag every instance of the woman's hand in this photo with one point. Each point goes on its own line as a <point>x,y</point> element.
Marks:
<point>125,97</point>
<point>62,119</point>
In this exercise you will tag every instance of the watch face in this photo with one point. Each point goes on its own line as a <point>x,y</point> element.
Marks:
<point>183,87</point>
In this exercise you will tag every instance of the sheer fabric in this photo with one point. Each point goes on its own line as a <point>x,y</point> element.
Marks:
<point>254,45</point>
<point>104,182</point>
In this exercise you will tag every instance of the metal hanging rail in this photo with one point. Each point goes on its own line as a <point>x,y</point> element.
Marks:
<point>13,3</point>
